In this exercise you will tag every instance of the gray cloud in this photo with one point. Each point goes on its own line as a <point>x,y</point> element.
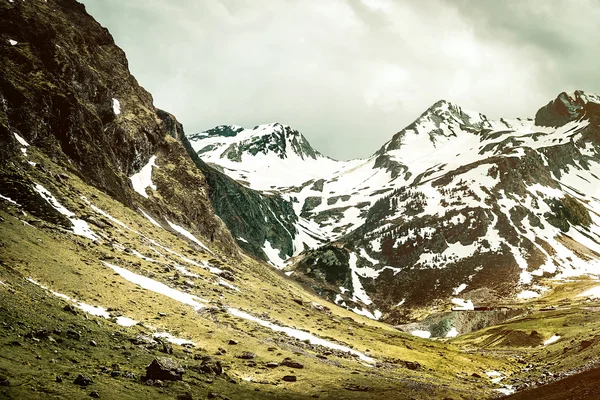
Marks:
<point>350,73</point>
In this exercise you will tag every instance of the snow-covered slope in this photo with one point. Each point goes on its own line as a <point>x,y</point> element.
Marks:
<point>453,201</point>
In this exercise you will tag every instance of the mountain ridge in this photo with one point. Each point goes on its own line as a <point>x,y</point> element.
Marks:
<point>444,143</point>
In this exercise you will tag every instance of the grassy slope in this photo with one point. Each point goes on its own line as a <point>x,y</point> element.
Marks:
<point>72,265</point>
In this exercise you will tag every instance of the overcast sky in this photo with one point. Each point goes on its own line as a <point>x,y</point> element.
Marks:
<point>349,74</point>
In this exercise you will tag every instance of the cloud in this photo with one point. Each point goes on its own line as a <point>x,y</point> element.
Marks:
<point>351,73</point>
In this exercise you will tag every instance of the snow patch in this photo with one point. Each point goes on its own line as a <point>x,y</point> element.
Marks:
<point>158,287</point>
<point>143,179</point>
<point>298,334</point>
<point>273,255</point>
<point>593,293</point>
<point>452,333</point>
<point>172,339</point>
<point>20,139</point>
<point>553,339</point>
<point>9,200</point>
<point>421,334</point>
<point>462,305</point>
<point>528,294</point>
<point>188,235</point>
<point>116,106</point>
<point>459,289</point>
<point>149,218</point>
<point>80,227</point>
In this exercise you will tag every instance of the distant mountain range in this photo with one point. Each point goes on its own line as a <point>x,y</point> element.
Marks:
<point>455,208</point>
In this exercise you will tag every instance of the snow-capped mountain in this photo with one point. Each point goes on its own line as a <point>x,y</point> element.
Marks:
<point>454,206</point>
<point>272,156</point>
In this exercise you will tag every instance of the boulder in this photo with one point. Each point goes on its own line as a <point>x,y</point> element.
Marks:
<point>165,369</point>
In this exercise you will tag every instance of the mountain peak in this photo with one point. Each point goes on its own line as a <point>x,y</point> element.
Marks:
<point>233,142</point>
<point>439,121</point>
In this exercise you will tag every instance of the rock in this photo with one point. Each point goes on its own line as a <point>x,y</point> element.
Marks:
<point>74,335</point>
<point>69,308</point>
<point>164,368</point>
<point>272,365</point>
<point>83,380</point>
<point>298,301</point>
<point>247,355</point>
<point>232,342</point>
<point>212,395</point>
<point>142,340</point>
<point>412,365</point>
<point>228,275</point>
<point>95,394</point>
<point>58,379</point>
<point>210,366</point>
<point>585,344</point>
<point>4,381</point>
<point>185,396</point>
<point>162,314</point>
<point>287,362</point>
<point>357,388</point>
<point>475,375</point>
<point>93,343</point>
<point>129,375</point>
<point>289,378</point>
<point>165,347</point>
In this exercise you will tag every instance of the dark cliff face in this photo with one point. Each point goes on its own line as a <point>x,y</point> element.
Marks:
<point>66,89</point>
<point>248,214</point>
<point>563,109</point>
<point>57,88</point>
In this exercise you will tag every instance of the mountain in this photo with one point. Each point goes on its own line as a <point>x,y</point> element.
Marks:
<point>123,273</point>
<point>456,209</point>
<point>117,277</point>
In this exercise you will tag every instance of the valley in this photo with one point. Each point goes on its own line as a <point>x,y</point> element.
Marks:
<point>137,261</point>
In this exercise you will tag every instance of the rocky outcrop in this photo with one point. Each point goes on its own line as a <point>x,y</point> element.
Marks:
<point>66,87</point>
<point>67,91</point>
<point>563,109</point>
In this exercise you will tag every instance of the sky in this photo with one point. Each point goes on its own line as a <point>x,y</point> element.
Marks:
<point>349,74</point>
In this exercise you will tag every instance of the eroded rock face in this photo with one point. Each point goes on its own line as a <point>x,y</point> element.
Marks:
<point>563,109</point>
<point>59,88</point>
<point>66,90</point>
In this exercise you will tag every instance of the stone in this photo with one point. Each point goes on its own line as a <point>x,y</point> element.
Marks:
<point>164,368</point>
<point>287,362</point>
<point>95,395</point>
<point>228,275</point>
<point>357,388</point>
<point>412,365</point>
<point>210,366</point>
<point>289,378</point>
<point>247,355</point>
<point>83,380</point>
